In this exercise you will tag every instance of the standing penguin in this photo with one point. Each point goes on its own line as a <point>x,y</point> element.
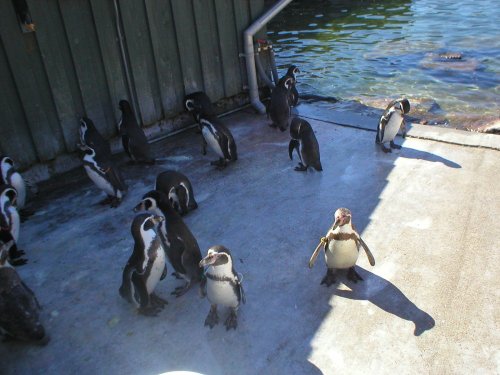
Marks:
<point>293,95</point>
<point>19,308</point>
<point>341,245</point>
<point>279,106</point>
<point>220,140</point>
<point>146,266</point>
<point>306,144</point>
<point>9,224</point>
<point>199,104</point>
<point>90,136</point>
<point>134,140</point>
<point>391,121</point>
<point>223,286</point>
<point>105,176</point>
<point>181,246</point>
<point>12,177</point>
<point>179,190</point>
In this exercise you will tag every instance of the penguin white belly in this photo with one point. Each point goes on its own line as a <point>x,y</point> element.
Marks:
<point>100,181</point>
<point>392,127</point>
<point>341,254</point>
<point>221,293</point>
<point>18,183</point>
<point>15,223</point>
<point>156,270</point>
<point>212,141</point>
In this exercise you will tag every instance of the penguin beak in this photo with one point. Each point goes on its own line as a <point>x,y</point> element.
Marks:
<point>337,223</point>
<point>139,207</point>
<point>208,260</point>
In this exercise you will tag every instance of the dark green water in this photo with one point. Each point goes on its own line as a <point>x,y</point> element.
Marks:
<point>373,51</point>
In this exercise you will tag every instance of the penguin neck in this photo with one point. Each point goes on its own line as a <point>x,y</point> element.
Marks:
<point>225,269</point>
<point>346,228</point>
<point>167,210</point>
<point>147,238</point>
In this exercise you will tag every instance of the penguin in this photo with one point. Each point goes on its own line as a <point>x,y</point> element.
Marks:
<point>223,285</point>
<point>278,109</point>
<point>90,136</point>
<point>179,190</point>
<point>391,121</point>
<point>23,13</point>
<point>306,144</point>
<point>9,224</point>
<point>199,104</point>
<point>293,96</point>
<point>105,176</point>
<point>146,266</point>
<point>19,307</point>
<point>181,246</point>
<point>341,245</point>
<point>220,140</point>
<point>134,140</point>
<point>9,216</point>
<point>13,178</point>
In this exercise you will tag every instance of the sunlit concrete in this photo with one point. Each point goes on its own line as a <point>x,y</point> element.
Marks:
<point>429,213</point>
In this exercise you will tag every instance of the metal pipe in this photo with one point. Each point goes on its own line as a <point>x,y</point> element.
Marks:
<point>250,53</point>
<point>262,72</point>
<point>126,68</point>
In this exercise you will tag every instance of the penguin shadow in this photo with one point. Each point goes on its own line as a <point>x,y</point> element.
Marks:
<point>411,153</point>
<point>386,296</point>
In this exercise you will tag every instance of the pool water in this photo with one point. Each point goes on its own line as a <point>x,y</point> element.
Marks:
<point>374,51</point>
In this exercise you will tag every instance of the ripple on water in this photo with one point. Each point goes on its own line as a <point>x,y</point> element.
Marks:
<point>391,49</point>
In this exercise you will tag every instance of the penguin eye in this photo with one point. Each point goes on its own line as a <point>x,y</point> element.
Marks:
<point>148,204</point>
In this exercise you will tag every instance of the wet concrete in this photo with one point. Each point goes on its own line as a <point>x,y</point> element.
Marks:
<point>429,213</point>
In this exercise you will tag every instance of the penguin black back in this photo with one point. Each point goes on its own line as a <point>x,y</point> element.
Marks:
<point>19,308</point>
<point>306,144</point>
<point>134,140</point>
<point>279,106</point>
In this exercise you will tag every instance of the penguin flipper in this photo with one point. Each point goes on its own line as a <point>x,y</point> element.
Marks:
<point>294,144</point>
<point>140,288</point>
<point>369,254</point>
<point>175,254</point>
<point>115,178</point>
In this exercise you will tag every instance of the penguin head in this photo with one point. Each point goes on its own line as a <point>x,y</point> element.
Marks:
<point>144,222</point>
<point>292,71</point>
<point>8,193</point>
<point>124,106</point>
<point>6,163</point>
<point>342,217</point>
<point>405,105</point>
<point>88,150</point>
<point>152,201</point>
<point>217,256</point>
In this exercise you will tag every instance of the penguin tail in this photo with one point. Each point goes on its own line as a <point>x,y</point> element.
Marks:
<point>318,167</point>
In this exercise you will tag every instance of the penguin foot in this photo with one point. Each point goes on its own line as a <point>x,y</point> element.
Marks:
<point>273,125</point>
<point>393,145</point>
<point>177,275</point>
<point>301,168</point>
<point>329,278</point>
<point>212,317</point>
<point>231,321</point>
<point>25,213</point>
<point>181,290</point>
<point>149,310</point>
<point>157,301</point>
<point>282,128</point>
<point>107,200</point>
<point>353,275</point>
<point>220,164</point>
<point>385,149</point>
<point>18,262</point>
<point>115,202</point>
<point>15,253</point>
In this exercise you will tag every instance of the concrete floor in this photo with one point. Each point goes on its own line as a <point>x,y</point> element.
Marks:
<point>429,213</point>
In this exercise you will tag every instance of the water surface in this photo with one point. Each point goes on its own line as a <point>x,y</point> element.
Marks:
<point>373,51</point>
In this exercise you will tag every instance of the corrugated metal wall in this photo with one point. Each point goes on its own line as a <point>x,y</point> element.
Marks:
<point>72,65</point>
